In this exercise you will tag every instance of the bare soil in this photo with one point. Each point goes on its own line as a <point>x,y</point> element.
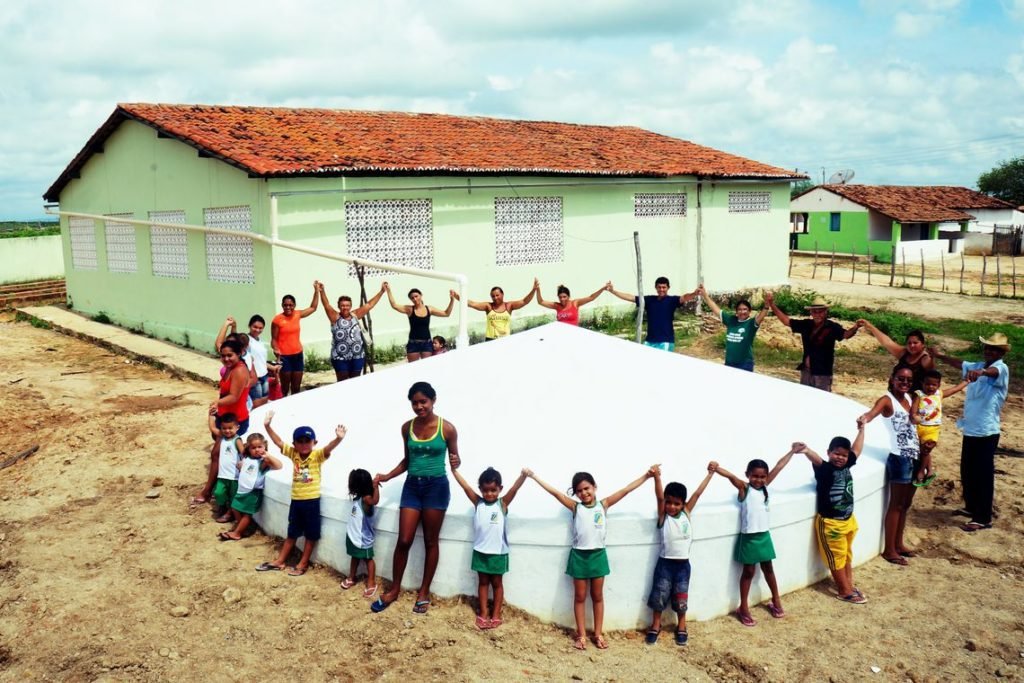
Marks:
<point>100,583</point>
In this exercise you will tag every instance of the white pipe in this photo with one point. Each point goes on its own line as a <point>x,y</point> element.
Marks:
<point>273,217</point>
<point>462,340</point>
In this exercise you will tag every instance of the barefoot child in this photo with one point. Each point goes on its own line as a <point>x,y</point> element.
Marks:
<point>926,413</point>
<point>224,458</point>
<point>588,559</point>
<point>671,583</point>
<point>490,539</point>
<point>365,494</point>
<point>252,471</point>
<point>834,524</point>
<point>754,544</point>
<point>304,511</point>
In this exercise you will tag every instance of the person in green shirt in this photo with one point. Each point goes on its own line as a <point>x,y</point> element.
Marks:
<point>740,329</point>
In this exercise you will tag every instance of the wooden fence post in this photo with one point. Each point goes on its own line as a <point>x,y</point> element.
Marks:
<point>790,271</point>
<point>1013,277</point>
<point>999,277</point>
<point>903,256</point>
<point>942,258</point>
<point>922,269</point>
<point>814,271</point>
<point>832,262</point>
<point>867,255</point>
<point>853,264</point>
<point>984,267</point>
<point>892,267</point>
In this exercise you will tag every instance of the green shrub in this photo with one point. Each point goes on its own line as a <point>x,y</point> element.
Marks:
<point>382,355</point>
<point>103,318</point>
<point>314,362</point>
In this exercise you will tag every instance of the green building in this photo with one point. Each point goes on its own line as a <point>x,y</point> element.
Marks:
<point>498,201</point>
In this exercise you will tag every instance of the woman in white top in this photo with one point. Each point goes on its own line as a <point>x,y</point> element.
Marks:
<point>903,462</point>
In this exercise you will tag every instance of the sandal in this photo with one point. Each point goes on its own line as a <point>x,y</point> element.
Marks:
<point>975,526</point>
<point>601,643</point>
<point>495,623</point>
<point>652,636</point>
<point>962,512</point>
<point>347,583</point>
<point>268,567</point>
<point>908,553</point>
<point>225,536</point>
<point>855,598</point>
<point>297,571</point>
<point>776,612</point>
<point>380,604</point>
<point>901,561</point>
<point>421,607</point>
<point>746,619</point>
<point>681,637</point>
<point>924,482</point>
<point>580,643</point>
<point>196,501</point>
<point>370,591</point>
<point>482,622</point>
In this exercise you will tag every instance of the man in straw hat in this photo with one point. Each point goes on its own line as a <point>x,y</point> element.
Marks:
<point>819,335</point>
<point>989,383</point>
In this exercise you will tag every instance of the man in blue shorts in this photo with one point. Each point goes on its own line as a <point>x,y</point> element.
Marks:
<point>661,309</point>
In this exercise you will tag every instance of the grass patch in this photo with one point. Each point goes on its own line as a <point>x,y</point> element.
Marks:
<point>314,362</point>
<point>11,229</point>
<point>383,355</point>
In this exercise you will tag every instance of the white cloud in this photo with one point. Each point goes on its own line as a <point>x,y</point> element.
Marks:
<point>915,25</point>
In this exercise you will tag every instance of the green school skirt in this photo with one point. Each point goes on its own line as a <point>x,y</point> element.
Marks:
<point>357,553</point>
<point>487,563</point>
<point>248,503</point>
<point>588,564</point>
<point>755,548</point>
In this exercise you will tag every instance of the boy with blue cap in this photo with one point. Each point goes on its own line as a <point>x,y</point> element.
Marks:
<point>304,511</point>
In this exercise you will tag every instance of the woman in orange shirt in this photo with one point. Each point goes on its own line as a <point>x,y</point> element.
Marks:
<point>285,341</point>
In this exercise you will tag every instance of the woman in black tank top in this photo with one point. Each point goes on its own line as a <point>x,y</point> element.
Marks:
<point>912,355</point>
<point>420,344</point>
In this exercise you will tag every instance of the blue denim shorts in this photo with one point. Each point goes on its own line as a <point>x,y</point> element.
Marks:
<point>426,493</point>
<point>293,363</point>
<point>304,519</point>
<point>353,366</point>
<point>900,470</point>
<point>420,346</point>
<point>261,388</point>
<point>671,585</point>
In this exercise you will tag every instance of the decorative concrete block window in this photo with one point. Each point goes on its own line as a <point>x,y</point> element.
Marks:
<point>399,231</point>
<point>169,246</point>
<point>655,204</point>
<point>745,201</point>
<point>120,244</point>
<point>83,243</point>
<point>229,258</point>
<point>833,222</point>
<point>528,230</point>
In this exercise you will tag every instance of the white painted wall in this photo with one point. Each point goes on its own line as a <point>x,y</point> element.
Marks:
<point>932,250</point>
<point>820,199</point>
<point>587,401</point>
<point>31,258</point>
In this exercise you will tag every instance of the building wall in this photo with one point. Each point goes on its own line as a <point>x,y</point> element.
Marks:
<point>820,199</point>
<point>138,173</point>
<point>852,236</point>
<point>31,258</point>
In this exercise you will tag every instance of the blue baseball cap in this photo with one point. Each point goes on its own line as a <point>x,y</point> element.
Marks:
<point>301,433</point>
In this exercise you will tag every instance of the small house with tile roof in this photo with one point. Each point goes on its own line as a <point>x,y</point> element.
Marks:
<point>875,219</point>
<point>499,201</point>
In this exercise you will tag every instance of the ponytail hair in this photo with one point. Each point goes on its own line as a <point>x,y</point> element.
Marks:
<point>757,464</point>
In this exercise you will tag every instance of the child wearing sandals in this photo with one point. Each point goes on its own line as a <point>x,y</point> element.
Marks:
<point>226,454</point>
<point>926,413</point>
<point>834,524</point>
<point>365,494</point>
<point>252,472</point>
<point>754,544</point>
<point>588,559</point>
<point>671,583</point>
<point>304,511</point>
<point>490,539</point>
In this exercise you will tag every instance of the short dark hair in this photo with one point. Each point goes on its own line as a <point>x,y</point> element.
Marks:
<point>744,302</point>
<point>414,291</point>
<point>287,297</point>
<point>916,333</point>
<point>675,489</point>
<point>489,476</point>
<point>344,297</point>
<point>228,417</point>
<point>662,281</point>
<point>758,464</point>
<point>931,374</point>
<point>257,319</point>
<point>422,388</point>
<point>579,478</point>
<point>232,344</point>
<point>839,442</point>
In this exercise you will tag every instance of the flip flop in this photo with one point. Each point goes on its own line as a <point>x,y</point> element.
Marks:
<point>601,643</point>
<point>580,643</point>
<point>347,583</point>
<point>746,619</point>
<point>853,598</point>
<point>268,567</point>
<point>975,526</point>
<point>901,561</point>
<point>196,501</point>
<point>495,623</point>
<point>908,553</point>
<point>924,482</point>
<point>482,622</point>
<point>776,612</point>
<point>295,571</point>
<point>682,637</point>
<point>224,536</point>
<point>652,636</point>
<point>421,607</point>
<point>379,605</point>
<point>371,591</point>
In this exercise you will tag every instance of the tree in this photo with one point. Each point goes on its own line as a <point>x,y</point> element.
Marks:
<point>799,187</point>
<point>1005,181</point>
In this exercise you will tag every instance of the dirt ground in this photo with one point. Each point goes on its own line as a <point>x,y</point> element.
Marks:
<point>99,582</point>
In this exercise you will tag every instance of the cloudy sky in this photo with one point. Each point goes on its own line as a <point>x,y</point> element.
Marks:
<point>902,91</point>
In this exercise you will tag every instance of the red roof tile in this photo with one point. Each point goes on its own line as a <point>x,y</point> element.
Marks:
<point>269,141</point>
<point>919,204</point>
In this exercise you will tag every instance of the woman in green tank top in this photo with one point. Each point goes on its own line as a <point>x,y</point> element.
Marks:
<point>427,439</point>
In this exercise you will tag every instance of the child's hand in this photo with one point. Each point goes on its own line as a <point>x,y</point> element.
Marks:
<point>340,432</point>
<point>862,420</point>
<point>378,479</point>
<point>454,460</point>
<point>213,409</point>
<point>528,472</point>
<point>654,471</point>
<point>798,447</point>
<point>267,418</point>
<point>712,466</point>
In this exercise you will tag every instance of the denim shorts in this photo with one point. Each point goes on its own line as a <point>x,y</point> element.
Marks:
<point>426,493</point>
<point>671,585</point>
<point>353,366</point>
<point>304,519</point>
<point>261,388</point>
<point>292,363</point>
<point>900,470</point>
<point>420,346</point>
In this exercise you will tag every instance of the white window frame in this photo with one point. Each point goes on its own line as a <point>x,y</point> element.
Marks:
<point>399,231</point>
<point>750,201</point>
<point>528,230</point>
<point>659,204</point>
<point>229,259</point>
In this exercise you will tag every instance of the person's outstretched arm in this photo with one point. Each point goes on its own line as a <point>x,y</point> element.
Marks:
<point>476,305</point>
<point>373,498</point>
<point>631,486</point>
<point>784,460</point>
<point>211,418</point>
<point>688,297</point>
<point>542,302</point>
<point>659,495</point>
<point>270,431</point>
<point>625,296</point>
<point>229,324</point>
<point>761,315</point>
<point>692,503</point>
<point>936,352</point>
<point>559,496</point>
<point>305,312</point>
<point>709,301</point>
<point>403,465</point>
<point>446,312</point>
<point>879,408</point>
<point>514,489</point>
<point>404,310</point>
<point>946,393</point>
<point>332,315</point>
<point>885,340</point>
<point>587,299</point>
<point>812,456</point>
<point>470,493</point>
<point>858,443</point>
<point>339,434</point>
<point>741,486</point>
<point>368,306</point>
<point>769,298</point>
<point>519,303</point>
<point>852,330</point>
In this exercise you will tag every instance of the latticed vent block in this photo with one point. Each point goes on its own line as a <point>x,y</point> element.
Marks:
<point>120,244</point>
<point>399,231</point>
<point>528,230</point>
<point>169,246</point>
<point>229,258</point>
<point>742,201</point>
<point>654,204</point>
<point>83,243</point>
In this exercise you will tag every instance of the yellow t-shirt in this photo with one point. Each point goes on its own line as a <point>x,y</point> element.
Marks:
<point>305,473</point>
<point>499,324</point>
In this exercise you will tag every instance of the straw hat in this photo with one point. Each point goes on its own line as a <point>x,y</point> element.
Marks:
<point>819,302</point>
<point>998,339</point>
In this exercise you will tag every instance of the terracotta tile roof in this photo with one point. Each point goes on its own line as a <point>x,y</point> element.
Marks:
<point>919,204</point>
<point>268,142</point>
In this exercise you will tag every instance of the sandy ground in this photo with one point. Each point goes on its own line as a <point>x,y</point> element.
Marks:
<point>99,582</point>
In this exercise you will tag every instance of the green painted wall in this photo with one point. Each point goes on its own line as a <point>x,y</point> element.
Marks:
<point>852,235</point>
